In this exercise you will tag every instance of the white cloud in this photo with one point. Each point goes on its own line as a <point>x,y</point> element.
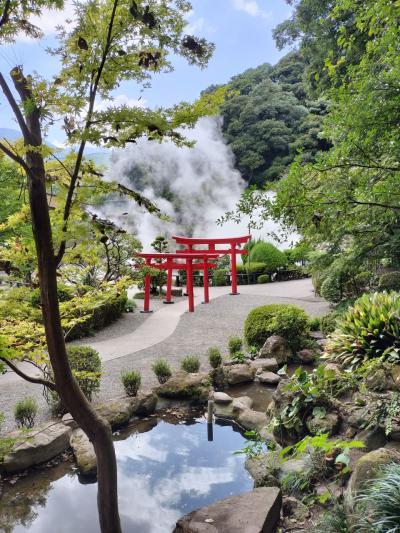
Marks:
<point>49,20</point>
<point>197,25</point>
<point>251,7</point>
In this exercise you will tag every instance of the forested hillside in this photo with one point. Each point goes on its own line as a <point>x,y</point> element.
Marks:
<point>271,119</point>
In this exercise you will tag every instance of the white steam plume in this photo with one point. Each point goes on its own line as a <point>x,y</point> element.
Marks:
<point>193,186</point>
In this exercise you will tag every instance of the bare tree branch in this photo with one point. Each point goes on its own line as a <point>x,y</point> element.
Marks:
<point>31,379</point>
<point>14,106</point>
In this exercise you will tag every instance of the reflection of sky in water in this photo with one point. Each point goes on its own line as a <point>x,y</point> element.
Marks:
<point>163,474</point>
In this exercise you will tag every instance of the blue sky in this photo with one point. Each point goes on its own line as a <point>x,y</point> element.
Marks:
<point>240,29</point>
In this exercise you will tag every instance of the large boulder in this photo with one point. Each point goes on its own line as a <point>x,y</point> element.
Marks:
<point>373,438</point>
<point>83,452</point>
<point>263,469</point>
<point>329,423</point>
<point>252,512</point>
<point>278,348</point>
<point>307,356</point>
<point>241,373</point>
<point>186,386</point>
<point>367,467</point>
<point>250,419</point>
<point>36,446</point>
<point>222,397</point>
<point>234,408</point>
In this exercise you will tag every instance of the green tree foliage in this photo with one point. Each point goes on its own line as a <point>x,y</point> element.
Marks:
<point>266,253</point>
<point>269,119</point>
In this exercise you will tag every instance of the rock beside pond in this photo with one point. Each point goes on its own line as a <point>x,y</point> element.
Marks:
<point>241,373</point>
<point>117,412</point>
<point>234,408</point>
<point>278,348</point>
<point>262,469</point>
<point>252,512</point>
<point>265,363</point>
<point>368,466</point>
<point>307,356</point>
<point>83,452</point>
<point>37,446</point>
<point>186,386</point>
<point>69,421</point>
<point>250,419</point>
<point>327,424</point>
<point>269,378</point>
<point>144,404</point>
<point>222,397</point>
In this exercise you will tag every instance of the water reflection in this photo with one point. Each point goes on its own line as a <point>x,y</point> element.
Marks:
<point>165,470</point>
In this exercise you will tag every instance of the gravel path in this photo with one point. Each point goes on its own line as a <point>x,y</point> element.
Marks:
<point>210,325</point>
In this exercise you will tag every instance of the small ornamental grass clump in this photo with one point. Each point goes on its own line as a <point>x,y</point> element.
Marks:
<point>214,357</point>
<point>162,370</point>
<point>131,380</point>
<point>235,345</point>
<point>25,412</point>
<point>191,364</point>
<point>369,329</point>
<point>377,506</point>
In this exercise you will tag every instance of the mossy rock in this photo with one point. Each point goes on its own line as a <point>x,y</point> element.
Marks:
<point>186,386</point>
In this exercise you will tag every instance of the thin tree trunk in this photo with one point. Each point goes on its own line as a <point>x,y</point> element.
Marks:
<point>97,429</point>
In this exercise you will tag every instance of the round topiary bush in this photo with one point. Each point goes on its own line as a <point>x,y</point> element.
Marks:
<point>389,282</point>
<point>288,321</point>
<point>264,278</point>
<point>220,277</point>
<point>369,329</point>
<point>162,370</point>
<point>267,253</point>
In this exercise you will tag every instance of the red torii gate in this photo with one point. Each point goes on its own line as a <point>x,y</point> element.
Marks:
<point>171,264</point>
<point>233,242</point>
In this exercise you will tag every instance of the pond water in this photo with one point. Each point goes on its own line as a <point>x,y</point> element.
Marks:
<point>167,467</point>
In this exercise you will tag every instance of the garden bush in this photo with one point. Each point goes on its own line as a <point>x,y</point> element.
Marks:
<point>289,321</point>
<point>328,323</point>
<point>235,344</point>
<point>214,357</point>
<point>267,253</point>
<point>190,364</point>
<point>25,412</point>
<point>162,370</point>
<point>220,277</point>
<point>314,323</point>
<point>130,305</point>
<point>131,380</point>
<point>86,367</point>
<point>389,282</point>
<point>251,268</point>
<point>264,278</point>
<point>369,329</point>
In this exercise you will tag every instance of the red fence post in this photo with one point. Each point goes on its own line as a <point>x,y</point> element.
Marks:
<point>189,278</point>
<point>205,282</point>
<point>233,270</point>
<point>168,299</point>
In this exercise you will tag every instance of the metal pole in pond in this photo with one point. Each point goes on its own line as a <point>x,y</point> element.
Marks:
<point>210,419</point>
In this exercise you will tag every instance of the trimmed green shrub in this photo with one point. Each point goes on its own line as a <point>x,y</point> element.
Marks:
<point>378,505</point>
<point>328,323</point>
<point>235,344</point>
<point>25,412</point>
<point>162,370</point>
<point>264,278</point>
<point>331,288</point>
<point>369,329</point>
<point>214,357</point>
<point>267,253</point>
<point>130,305</point>
<point>131,380</point>
<point>190,364</point>
<point>220,277</point>
<point>288,321</point>
<point>389,282</point>
<point>314,323</point>
<point>252,268</point>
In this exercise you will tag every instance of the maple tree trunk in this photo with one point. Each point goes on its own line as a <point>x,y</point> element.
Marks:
<point>96,428</point>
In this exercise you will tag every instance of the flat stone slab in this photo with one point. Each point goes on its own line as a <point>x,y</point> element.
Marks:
<point>269,378</point>
<point>252,512</point>
<point>265,363</point>
<point>83,452</point>
<point>222,397</point>
<point>37,446</point>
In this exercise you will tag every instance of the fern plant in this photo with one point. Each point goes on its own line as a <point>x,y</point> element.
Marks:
<point>369,329</point>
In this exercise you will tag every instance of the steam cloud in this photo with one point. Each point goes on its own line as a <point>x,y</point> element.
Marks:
<point>193,186</point>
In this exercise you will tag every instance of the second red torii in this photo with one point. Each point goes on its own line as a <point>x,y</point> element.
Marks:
<point>233,242</point>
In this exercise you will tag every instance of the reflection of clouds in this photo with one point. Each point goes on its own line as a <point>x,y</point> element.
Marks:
<point>161,475</point>
<point>142,447</point>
